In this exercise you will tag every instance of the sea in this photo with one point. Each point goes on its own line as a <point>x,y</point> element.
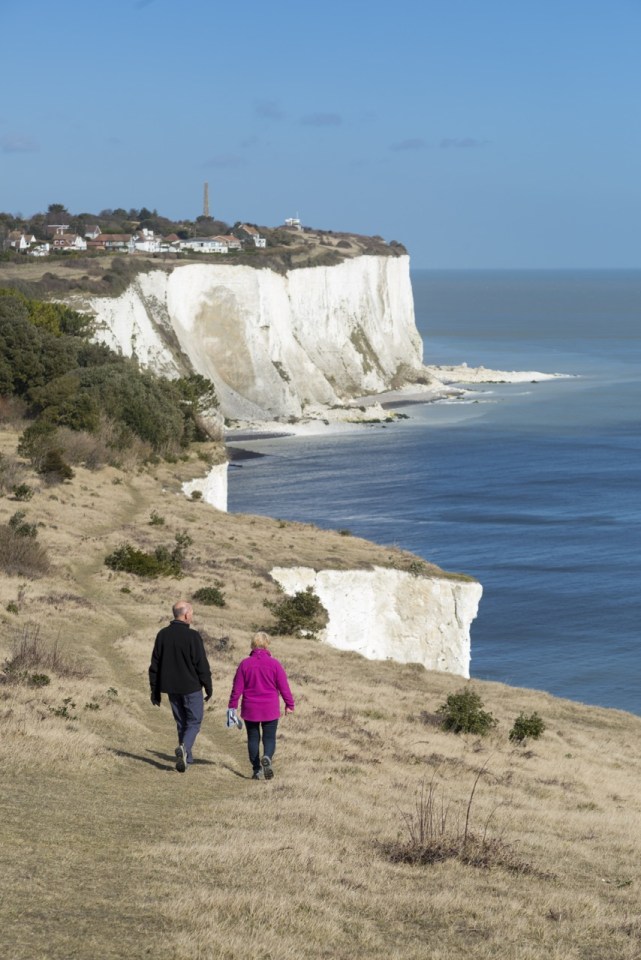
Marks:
<point>532,488</point>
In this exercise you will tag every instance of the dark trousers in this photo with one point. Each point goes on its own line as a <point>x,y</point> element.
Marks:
<point>187,709</point>
<point>253,740</point>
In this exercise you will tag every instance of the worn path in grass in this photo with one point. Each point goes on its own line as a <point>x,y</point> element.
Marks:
<point>72,842</point>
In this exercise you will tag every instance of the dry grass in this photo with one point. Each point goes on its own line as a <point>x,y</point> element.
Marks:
<point>105,851</point>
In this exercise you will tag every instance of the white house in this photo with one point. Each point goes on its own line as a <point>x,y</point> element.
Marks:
<point>21,241</point>
<point>232,243</point>
<point>248,232</point>
<point>204,245</point>
<point>146,242</point>
<point>93,232</point>
<point>68,241</point>
<point>293,222</point>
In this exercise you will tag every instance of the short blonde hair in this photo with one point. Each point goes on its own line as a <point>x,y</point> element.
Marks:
<point>260,641</point>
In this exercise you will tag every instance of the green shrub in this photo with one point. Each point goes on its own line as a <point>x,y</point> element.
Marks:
<point>527,728</point>
<point>463,712</point>
<point>22,491</point>
<point>12,607</point>
<point>39,680</point>
<point>156,520</point>
<point>54,468</point>
<point>162,562</point>
<point>210,596</point>
<point>301,613</point>
<point>20,528</point>
<point>196,494</point>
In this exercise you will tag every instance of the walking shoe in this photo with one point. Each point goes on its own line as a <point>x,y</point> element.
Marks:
<point>268,770</point>
<point>181,759</point>
<point>258,775</point>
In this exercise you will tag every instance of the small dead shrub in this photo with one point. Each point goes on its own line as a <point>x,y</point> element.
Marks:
<point>437,829</point>
<point>11,474</point>
<point>21,555</point>
<point>31,656</point>
<point>80,447</point>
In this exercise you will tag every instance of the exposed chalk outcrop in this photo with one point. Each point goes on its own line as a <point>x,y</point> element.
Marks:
<point>213,487</point>
<point>389,614</point>
<point>272,344</point>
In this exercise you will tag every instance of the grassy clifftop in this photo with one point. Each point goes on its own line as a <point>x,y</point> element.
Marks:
<point>107,852</point>
<point>60,275</point>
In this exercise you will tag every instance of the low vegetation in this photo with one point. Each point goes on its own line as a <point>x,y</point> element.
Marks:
<point>463,712</point>
<point>518,848</point>
<point>301,614</point>
<point>69,385</point>
<point>527,728</point>
<point>210,596</point>
<point>163,561</point>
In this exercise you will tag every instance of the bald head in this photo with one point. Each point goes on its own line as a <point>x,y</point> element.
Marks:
<point>183,610</point>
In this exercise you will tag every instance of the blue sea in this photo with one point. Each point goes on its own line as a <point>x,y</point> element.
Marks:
<point>535,489</point>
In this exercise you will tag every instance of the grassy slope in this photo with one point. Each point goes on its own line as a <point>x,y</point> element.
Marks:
<point>107,852</point>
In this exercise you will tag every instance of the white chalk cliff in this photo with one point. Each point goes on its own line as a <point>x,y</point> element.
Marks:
<point>272,344</point>
<point>389,614</point>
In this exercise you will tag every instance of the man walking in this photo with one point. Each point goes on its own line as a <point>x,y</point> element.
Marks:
<point>179,668</point>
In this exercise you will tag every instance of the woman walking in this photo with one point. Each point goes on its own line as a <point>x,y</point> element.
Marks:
<point>260,680</point>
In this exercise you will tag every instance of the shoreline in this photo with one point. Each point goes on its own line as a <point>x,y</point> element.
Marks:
<point>449,383</point>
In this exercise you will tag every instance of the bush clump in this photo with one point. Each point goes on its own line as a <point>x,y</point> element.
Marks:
<point>527,728</point>
<point>31,656</point>
<point>303,613</point>
<point>161,562</point>
<point>463,712</point>
<point>210,596</point>
<point>20,553</point>
<point>22,491</point>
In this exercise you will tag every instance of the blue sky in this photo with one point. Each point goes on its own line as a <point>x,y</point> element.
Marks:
<point>480,133</point>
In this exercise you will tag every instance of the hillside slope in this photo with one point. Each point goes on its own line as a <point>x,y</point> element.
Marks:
<point>107,852</point>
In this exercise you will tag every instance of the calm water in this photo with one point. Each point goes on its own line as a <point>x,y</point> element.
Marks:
<point>534,489</point>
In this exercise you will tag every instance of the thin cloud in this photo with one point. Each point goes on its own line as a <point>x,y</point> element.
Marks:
<point>226,161</point>
<point>268,110</point>
<point>461,143</point>
<point>321,120</point>
<point>15,143</point>
<point>413,143</point>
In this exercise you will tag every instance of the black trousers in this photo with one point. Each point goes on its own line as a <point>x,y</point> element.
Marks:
<point>254,730</point>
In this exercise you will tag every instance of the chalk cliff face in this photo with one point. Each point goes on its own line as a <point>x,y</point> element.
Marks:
<point>388,614</point>
<point>272,344</point>
<point>213,487</point>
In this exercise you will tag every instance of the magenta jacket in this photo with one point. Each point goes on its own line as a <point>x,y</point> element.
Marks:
<point>259,679</point>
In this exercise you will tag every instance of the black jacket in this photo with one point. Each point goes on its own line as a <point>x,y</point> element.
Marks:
<point>179,663</point>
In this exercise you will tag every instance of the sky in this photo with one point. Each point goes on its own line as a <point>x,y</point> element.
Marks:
<point>482,134</point>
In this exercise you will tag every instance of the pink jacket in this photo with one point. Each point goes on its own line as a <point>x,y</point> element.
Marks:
<point>259,679</point>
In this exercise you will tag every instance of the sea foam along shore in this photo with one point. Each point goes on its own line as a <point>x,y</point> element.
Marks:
<point>441,383</point>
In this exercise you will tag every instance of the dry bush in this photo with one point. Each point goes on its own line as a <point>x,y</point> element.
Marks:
<point>438,831</point>
<point>80,447</point>
<point>12,472</point>
<point>20,555</point>
<point>30,655</point>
